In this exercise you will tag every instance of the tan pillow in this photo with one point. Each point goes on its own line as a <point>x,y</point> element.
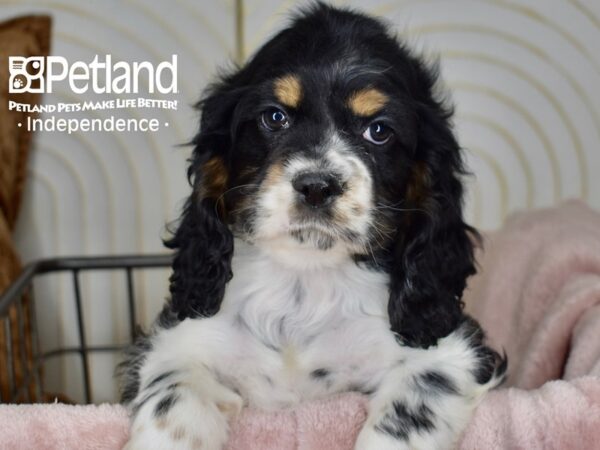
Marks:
<point>23,36</point>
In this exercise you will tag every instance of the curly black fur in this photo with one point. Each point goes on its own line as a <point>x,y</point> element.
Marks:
<point>203,243</point>
<point>433,255</point>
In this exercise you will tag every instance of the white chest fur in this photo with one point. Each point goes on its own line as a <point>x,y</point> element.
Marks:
<point>282,305</point>
<point>285,334</point>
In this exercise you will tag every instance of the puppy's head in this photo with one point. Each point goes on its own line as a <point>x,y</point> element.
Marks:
<point>323,138</point>
<point>328,145</point>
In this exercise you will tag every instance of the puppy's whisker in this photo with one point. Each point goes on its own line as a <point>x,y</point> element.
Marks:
<point>382,207</point>
<point>241,186</point>
<point>382,230</point>
<point>372,252</point>
<point>393,205</point>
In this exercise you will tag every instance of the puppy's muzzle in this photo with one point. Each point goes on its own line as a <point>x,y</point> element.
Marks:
<point>316,189</point>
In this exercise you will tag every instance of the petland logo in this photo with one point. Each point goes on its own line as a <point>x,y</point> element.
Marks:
<point>38,74</point>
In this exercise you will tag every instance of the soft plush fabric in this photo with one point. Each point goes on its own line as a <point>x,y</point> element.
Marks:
<point>24,36</point>
<point>560,415</point>
<point>538,295</point>
<point>54,427</point>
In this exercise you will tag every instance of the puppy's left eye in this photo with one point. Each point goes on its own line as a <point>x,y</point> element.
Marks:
<point>274,119</point>
<point>378,133</point>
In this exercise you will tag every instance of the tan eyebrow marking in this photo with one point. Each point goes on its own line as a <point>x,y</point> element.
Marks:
<point>367,102</point>
<point>288,90</point>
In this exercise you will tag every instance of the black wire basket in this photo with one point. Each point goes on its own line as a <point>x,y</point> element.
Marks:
<point>21,338</point>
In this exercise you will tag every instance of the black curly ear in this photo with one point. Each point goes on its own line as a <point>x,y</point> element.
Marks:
<point>433,254</point>
<point>203,242</point>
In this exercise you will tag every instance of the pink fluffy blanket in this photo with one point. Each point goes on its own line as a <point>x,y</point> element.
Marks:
<point>538,297</point>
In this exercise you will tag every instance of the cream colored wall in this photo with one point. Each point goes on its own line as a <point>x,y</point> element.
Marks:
<point>523,74</point>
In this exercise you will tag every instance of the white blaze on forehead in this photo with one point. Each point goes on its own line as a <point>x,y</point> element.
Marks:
<point>358,184</point>
<point>300,164</point>
<point>337,154</point>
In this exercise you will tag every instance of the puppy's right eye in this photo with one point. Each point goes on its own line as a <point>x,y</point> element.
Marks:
<point>274,119</point>
<point>378,133</point>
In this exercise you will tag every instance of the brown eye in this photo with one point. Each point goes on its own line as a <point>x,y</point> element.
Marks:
<point>378,133</point>
<point>274,119</point>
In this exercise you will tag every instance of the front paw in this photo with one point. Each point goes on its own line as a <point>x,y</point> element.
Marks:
<point>183,423</point>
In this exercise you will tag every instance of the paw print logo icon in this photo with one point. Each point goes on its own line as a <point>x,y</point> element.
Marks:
<point>26,74</point>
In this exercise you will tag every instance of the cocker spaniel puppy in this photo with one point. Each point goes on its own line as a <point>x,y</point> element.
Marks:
<point>322,250</point>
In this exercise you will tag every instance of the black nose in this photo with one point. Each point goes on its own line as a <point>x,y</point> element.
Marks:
<point>317,189</point>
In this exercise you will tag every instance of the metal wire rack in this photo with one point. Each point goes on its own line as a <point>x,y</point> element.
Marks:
<point>22,287</point>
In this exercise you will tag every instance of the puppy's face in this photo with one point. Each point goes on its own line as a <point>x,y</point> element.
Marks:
<point>321,158</point>
<point>328,147</point>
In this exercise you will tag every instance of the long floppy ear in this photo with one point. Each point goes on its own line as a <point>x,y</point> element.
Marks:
<point>433,254</point>
<point>203,242</point>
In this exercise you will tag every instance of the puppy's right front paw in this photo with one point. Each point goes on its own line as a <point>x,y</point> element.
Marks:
<point>183,423</point>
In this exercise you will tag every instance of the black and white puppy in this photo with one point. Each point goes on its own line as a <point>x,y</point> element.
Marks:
<point>322,250</point>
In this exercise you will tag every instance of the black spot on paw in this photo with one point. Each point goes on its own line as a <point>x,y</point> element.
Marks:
<point>165,404</point>
<point>435,382</point>
<point>489,362</point>
<point>320,373</point>
<point>402,420</point>
<point>360,388</point>
<point>138,404</point>
<point>163,376</point>
<point>129,369</point>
